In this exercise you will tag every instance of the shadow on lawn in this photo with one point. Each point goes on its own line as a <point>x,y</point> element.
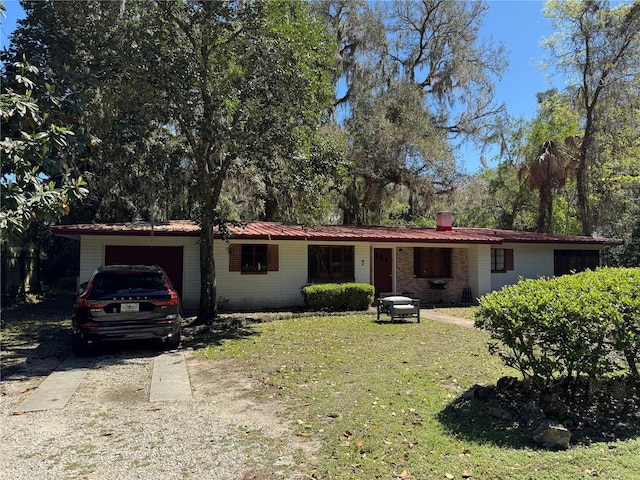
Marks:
<point>471,421</point>
<point>35,337</point>
<point>605,410</point>
<point>227,327</point>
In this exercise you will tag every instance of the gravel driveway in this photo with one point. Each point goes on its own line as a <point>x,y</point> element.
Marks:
<point>109,429</point>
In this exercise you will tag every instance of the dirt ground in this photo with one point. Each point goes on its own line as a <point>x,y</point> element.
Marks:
<point>239,411</point>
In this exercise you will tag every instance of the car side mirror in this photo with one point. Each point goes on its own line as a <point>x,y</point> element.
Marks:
<point>83,288</point>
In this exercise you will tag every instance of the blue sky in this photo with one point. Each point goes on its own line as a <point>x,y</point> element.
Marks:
<point>518,24</point>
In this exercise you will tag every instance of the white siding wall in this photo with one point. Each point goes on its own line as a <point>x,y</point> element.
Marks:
<point>92,253</point>
<point>282,288</point>
<point>479,268</point>
<point>274,289</point>
<point>530,261</point>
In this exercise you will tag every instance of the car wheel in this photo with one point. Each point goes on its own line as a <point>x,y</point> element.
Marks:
<point>173,341</point>
<point>78,345</point>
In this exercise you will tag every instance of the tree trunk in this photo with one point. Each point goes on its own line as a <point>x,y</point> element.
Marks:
<point>545,206</point>
<point>583,198</point>
<point>581,175</point>
<point>208,310</point>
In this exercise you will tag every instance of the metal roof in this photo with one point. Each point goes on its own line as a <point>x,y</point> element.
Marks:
<point>347,233</point>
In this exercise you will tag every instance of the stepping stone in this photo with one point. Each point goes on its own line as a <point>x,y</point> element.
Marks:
<point>56,390</point>
<point>170,380</point>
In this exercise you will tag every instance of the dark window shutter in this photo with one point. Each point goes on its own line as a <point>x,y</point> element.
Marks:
<point>235,258</point>
<point>272,258</point>
<point>508,259</point>
<point>447,263</point>
<point>417,261</point>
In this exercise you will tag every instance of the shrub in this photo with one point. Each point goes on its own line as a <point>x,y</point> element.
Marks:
<point>338,296</point>
<point>566,326</point>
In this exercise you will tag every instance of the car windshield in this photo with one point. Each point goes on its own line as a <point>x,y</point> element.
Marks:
<point>115,284</point>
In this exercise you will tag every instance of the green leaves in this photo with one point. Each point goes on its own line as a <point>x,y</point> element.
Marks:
<point>338,296</point>
<point>565,326</point>
<point>37,181</point>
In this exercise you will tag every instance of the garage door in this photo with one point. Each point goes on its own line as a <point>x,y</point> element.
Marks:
<point>169,258</point>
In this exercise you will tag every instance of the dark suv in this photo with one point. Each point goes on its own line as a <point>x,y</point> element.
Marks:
<point>127,302</point>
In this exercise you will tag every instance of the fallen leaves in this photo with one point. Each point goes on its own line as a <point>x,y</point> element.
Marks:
<point>465,474</point>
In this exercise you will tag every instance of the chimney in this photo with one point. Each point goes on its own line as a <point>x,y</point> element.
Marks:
<point>444,221</point>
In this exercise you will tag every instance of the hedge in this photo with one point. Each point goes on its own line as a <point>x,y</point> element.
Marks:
<point>338,296</point>
<point>587,324</point>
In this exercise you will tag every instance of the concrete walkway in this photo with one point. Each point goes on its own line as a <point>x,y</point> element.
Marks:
<point>56,390</point>
<point>169,381</point>
<point>444,318</point>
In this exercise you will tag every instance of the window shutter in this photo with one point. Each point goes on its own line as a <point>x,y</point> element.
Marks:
<point>508,259</point>
<point>417,261</point>
<point>447,263</point>
<point>235,258</point>
<point>272,258</point>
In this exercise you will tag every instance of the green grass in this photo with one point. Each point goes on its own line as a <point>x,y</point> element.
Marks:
<point>462,312</point>
<point>380,400</point>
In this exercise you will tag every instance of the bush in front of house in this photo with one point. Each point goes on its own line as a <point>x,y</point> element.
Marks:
<point>338,296</point>
<point>570,326</point>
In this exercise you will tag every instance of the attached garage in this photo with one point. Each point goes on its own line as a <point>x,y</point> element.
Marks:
<point>169,258</point>
<point>173,246</point>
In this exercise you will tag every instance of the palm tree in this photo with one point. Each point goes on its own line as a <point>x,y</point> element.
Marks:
<point>545,173</point>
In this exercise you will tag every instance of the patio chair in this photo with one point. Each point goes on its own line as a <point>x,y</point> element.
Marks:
<point>398,306</point>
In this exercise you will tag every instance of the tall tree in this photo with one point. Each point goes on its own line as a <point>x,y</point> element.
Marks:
<point>413,76</point>
<point>210,91</point>
<point>597,48</point>
<point>545,173</point>
<point>495,197</point>
<point>91,51</point>
<point>550,156</point>
<point>40,159</point>
<point>246,84</point>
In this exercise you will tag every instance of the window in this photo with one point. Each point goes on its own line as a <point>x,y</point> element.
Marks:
<point>567,261</point>
<point>331,263</point>
<point>253,258</point>
<point>432,262</point>
<point>501,259</point>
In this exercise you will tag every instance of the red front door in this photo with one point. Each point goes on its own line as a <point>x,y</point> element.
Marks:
<point>382,270</point>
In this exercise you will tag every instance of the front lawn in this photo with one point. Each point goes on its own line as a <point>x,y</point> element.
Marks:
<point>462,312</point>
<point>383,400</point>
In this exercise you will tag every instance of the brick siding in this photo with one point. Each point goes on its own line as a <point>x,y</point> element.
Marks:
<point>419,287</point>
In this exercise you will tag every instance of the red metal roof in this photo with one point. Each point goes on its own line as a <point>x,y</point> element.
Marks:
<point>279,231</point>
<point>511,236</point>
<point>180,228</point>
<point>350,233</point>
